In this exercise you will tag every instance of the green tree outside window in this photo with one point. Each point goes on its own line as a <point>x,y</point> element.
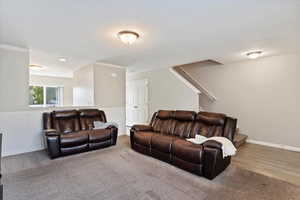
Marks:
<point>36,96</point>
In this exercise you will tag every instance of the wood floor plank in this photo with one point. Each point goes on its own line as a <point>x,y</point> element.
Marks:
<point>269,161</point>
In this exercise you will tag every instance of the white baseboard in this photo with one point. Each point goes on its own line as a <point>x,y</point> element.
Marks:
<point>280,146</point>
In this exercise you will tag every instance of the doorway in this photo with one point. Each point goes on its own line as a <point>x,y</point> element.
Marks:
<point>137,103</point>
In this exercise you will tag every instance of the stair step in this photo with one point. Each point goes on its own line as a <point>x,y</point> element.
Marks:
<point>239,140</point>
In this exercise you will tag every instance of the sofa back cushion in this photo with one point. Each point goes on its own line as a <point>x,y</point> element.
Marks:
<point>184,123</point>
<point>178,123</point>
<point>163,122</point>
<point>88,116</point>
<point>66,121</point>
<point>209,124</point>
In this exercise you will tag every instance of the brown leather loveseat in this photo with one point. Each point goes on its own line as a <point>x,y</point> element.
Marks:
<point>165,139</point>
<point>71,131</point>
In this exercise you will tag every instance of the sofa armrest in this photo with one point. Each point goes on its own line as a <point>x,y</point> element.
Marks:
<point>114,134</point>
<point>141,128</point>
<point>51,132</point>
<point>111,127</point>
<point>52,138</point>
<point>136,128</point>
<point>213,162</point>
<point>212,144</point>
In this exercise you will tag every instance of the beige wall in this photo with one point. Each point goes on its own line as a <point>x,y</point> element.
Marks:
<point>14,75</point>
<point>66,83</point>
<point>14,92</point>
<point>166,91</point>
<point>263,94</point>
<point>83,93</point>
<point>100,85</point>
<point>110,86</point>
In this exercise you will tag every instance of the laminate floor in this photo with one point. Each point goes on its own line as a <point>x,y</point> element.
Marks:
<point>273,162</point>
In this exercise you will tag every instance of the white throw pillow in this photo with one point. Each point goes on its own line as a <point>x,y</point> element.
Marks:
<point>98,124</point>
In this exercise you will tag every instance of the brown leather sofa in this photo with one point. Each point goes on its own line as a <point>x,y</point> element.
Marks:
<point>71,131</point>
<point>165,138</point>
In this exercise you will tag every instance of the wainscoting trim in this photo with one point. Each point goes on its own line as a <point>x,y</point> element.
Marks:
<point>23,130</point>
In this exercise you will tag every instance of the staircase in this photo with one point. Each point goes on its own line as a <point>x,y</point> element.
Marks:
<point>239,139</point>
<point>180,70</point>
<point>188,79</point>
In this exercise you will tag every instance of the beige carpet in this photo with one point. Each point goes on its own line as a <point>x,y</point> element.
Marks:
<point>120,173</point>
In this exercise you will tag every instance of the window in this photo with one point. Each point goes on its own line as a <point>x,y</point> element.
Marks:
<point>45,96</point>
<point>36,95</point>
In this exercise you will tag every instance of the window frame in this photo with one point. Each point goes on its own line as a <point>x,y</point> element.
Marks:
<point>60,95</point>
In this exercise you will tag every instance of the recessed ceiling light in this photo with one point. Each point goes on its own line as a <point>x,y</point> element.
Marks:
<point>254,54</point>
<point>62,60</point>
<point>35,67</point>
<point>128,37</point>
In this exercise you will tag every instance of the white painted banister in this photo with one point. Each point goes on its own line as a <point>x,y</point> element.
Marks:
<point>195,85</point>
<point>186,82</point>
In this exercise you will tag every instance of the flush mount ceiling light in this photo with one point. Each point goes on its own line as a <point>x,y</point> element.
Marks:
<point>128,37</point>
<point>62,60</point>
<point>35,67</point>
<point>254,54</point>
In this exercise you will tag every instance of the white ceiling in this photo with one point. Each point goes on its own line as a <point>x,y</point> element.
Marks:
<point>172,31</point>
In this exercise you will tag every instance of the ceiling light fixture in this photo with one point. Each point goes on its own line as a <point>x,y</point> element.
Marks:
<point>62,60</point>
<point>254,54</point>
<point>128,37</point>
<point>34,67</point>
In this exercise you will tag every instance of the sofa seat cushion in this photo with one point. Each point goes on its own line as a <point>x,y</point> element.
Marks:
<point>74,139</point>
<point>75,149</point>
<point>99,145</point>
<point>162,142</point>
<point>143,138</point>
<point>187,151</point>
<point>99,135</point>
